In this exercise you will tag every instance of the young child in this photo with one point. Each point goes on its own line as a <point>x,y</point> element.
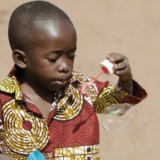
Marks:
<point>41,106</point>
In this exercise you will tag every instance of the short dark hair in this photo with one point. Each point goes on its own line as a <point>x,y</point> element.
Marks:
<point>21,22</point>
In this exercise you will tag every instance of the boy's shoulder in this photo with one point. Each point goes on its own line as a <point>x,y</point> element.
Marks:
<point>9,87</point>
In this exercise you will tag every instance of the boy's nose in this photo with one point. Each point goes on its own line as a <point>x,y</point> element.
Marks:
<point>64,67</point>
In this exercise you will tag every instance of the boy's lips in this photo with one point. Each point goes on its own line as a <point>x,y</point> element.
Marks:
<point>61,82</point>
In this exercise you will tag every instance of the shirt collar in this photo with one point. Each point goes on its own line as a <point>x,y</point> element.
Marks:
<point>10,85</point>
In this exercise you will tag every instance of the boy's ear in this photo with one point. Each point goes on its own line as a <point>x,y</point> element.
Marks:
<point>20,58</point>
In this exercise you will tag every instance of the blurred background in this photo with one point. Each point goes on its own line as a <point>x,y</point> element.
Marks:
<point>130,27</point>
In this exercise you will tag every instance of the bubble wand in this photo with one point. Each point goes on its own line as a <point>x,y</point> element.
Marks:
<point>107,68</point>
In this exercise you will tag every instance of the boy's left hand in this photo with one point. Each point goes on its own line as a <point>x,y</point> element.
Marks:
<point>121,65</point>
<point>122,70</point>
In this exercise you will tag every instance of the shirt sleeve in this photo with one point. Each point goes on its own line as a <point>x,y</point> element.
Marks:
<point>1,130</point>
<point>112,94</point>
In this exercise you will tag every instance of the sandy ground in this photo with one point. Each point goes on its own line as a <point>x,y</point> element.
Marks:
<point>130,27</point>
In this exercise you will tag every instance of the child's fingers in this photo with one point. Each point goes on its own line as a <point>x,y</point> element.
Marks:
<point>115,57</point>
<point>121,71</point>
<point>121,65</point>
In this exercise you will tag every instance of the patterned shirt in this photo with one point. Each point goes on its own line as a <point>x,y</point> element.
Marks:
<point>71,131</point>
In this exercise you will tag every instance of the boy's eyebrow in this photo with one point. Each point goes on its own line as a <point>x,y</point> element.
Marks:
<point>54,51</point>
<point>60,51</point>
<point>74,49</point>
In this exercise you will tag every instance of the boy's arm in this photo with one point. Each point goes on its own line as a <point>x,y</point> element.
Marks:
<point>2,156</point>
<point>1,131</point>
<point>125,91</point>
<point>126,85</point>
<point>113,94</point>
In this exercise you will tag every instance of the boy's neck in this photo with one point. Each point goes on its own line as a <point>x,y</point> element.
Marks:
<point>36,91</point>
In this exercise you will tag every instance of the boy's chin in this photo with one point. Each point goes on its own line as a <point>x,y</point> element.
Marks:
<point>56,87</point>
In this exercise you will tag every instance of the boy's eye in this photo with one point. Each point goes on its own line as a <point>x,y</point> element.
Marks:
<point>71,53</point>
<point>71,57</point>
<point>52,59</point>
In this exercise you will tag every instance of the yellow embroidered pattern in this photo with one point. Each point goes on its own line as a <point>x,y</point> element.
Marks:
<point>108,96</point>
<point>71,105</point>
<point>16,156</point>
<point>16,136</point>
<point>78,153</point>
<point>10,85</point>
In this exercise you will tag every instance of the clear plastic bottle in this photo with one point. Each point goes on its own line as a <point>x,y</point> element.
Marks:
<point>118,117</point>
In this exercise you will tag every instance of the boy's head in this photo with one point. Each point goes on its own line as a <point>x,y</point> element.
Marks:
<point>22,30</point>
<point>43,41</point>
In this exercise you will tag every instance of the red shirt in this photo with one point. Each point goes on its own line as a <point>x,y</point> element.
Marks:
<point>71,130</point>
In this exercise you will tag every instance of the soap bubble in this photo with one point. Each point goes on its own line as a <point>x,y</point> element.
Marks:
<point>118,117</point>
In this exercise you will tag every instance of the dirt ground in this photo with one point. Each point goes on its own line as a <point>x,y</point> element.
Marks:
<point>131,27</point>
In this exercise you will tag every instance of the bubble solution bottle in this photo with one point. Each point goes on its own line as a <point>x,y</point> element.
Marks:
<point>106,67</point>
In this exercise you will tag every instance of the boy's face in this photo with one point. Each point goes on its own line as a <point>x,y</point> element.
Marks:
<point>50,63</point>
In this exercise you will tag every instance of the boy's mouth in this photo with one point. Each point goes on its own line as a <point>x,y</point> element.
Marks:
<point>61,82</point>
